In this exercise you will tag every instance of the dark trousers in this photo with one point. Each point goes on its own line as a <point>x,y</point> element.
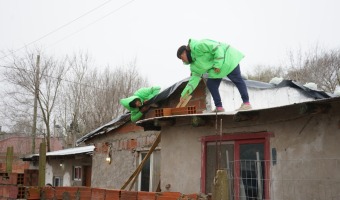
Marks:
<point>235,76</point>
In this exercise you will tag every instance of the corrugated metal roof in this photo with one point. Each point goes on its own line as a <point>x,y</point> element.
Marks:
<point>119,121</point>
<point>116,123</point>
<point>64,152</point>
<point>233,113</point>
<point>71,151</point>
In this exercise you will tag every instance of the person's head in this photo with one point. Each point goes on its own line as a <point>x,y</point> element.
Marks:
<point>136,103</point>
<point>184,54</point>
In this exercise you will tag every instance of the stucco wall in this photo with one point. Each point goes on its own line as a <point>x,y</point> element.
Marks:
<point>125,147</point>
<point>307,149</point>
<point>181,158</point>
<point>65,171</point>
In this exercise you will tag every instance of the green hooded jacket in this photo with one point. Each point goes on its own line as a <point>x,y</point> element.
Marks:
<point>142,94</point>
<point>208,54</point>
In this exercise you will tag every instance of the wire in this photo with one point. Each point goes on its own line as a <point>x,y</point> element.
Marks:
<point>90,24</point>
<point>28,71</point>
<point>57,29</point>
<point>63,26</point>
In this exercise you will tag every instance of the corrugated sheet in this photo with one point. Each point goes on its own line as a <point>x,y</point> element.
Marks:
<point>119,121</point>
<point>65,152</point>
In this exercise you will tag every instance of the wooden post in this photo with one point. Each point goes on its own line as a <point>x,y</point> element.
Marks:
<point>35,105</point>
<point>42,164</point>
<point>220,186</point>
<point>9,159</point>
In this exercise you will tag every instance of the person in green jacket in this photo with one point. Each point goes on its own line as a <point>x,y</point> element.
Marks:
<point>136,103</point>
<point>218,60</point>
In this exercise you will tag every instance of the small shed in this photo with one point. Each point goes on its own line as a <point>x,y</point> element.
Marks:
<point>66,167</point>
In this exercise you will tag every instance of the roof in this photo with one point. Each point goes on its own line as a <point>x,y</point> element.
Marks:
<point>114,124</point>
<point>122,119</point>
<point>65,152</point>
<point>302,106</point>
<point>71,151</point>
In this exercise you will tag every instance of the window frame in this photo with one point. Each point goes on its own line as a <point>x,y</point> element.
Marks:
<point>239,138</point>
<point>60,181</point>
<point>150,172</point>
<point>155,169</point>
<point>76,174</point>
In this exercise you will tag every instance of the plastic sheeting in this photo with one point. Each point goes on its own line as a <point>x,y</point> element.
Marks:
<point>119,121</point>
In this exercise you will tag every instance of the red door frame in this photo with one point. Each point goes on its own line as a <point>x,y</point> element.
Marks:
<point>240,138</point>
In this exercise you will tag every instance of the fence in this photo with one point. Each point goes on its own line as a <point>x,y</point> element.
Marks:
<point>304,179</point>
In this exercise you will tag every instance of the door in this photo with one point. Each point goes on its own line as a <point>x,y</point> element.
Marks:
<point>246,160</point>
<point>249,170</point>
<point>88,174</point>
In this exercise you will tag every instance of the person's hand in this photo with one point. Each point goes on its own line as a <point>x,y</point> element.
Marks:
<point>217,70</point>
<point>144,109</point>
<point>181,99</point>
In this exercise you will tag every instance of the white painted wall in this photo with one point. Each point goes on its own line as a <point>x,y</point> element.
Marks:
<point>48,174</point>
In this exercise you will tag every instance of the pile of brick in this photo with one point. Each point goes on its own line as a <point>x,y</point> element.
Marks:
<point>11,186</point>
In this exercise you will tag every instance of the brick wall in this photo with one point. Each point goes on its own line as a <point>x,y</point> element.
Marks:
<point>23,145</point>
<point>124,143</point>
<point>34,193</point>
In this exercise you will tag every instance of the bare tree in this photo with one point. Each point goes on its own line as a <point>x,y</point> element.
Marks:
<point>319,66</point>
<point>22,76</point>
<point>73,96</point>
<point>266,73</point>
<point>91,97</point>
<point>316,65</point>
<point>107,89</point>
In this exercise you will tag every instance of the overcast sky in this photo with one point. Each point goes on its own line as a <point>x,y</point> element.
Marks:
<point>115,32</point>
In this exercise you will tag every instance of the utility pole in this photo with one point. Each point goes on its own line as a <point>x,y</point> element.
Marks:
<point>35,109</point>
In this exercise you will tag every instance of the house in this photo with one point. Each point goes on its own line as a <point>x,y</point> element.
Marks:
<point>66,167</point>
<point>120,146</point>
<point>290,127</point>
<point>22,145</point>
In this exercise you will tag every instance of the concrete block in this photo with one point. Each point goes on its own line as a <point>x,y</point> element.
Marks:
<point>32,193</point>
<point>162,112</point>
<point>183,110</point>
<point>169,196</point>
<point>112,195</point>
<point>146,195</point>
<point>128,195</point>
<point>98,194</point>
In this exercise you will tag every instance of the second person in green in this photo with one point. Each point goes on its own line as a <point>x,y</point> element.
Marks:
<point>135,103</point>
<point>218,60</point>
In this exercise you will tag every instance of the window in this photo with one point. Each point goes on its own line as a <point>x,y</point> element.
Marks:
<point>145,174</point>
<point>57,181</point>
<point>246,159</point>
<point>149,178</point>
<point>77,173</point>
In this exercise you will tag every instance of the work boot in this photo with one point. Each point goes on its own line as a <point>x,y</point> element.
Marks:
<point>244,106</point>
<point>218,109</point>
